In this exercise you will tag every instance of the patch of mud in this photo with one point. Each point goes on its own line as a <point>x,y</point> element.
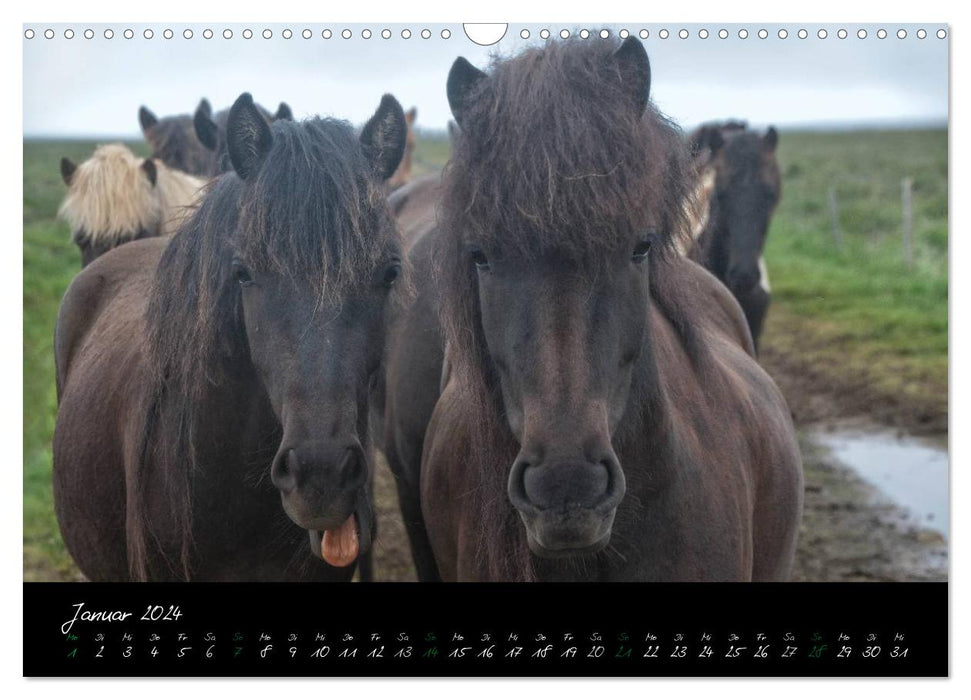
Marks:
<point>852,532</point>
<point>392,553</point>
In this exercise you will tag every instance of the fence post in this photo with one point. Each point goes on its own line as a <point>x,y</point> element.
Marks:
<point>906,202</point>
<point>834,216</point>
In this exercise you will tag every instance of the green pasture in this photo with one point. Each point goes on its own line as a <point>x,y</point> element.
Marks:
<point>856,293</point>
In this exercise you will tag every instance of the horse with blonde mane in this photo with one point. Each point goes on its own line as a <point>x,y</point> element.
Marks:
<point>115,197</point>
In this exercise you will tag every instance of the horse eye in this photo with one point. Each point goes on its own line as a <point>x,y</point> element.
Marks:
<point>391,273</point>
<point>241,274</point>
<point>643,248</point>
<point>479,258</point>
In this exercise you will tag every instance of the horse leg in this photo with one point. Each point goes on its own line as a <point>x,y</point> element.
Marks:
<point>365,562</point>
<point>409,500</point>
<point>755,304</point>
<point>365,567</point>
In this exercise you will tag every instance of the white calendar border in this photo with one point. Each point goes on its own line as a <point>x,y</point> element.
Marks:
<point>436,11</point>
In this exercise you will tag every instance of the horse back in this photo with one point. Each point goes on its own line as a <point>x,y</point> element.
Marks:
<point>103,388</point>
<point>415,208</point>
<point>113,285</point>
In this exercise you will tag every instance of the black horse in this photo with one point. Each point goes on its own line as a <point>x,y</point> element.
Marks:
<point>204,379</point>
<point>738,189</point>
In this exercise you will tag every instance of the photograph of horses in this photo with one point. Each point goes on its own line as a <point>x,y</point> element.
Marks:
<point>586,304</point>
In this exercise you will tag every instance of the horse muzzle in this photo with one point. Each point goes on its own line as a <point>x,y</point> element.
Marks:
<point>568,507</point>
<point>325,492</point>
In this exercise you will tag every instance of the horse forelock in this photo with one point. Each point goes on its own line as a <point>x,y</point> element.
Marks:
<point>552,157</point>
<point>315,211</point>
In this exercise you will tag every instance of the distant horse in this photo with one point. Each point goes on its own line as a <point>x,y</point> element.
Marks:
<point>192,143</point>
<point>114,197</point>
<point>205,378</point>
<point>403,174</point>
<point>737,192</point>
<point>211,132</point>
<point>174,142</point>
<point>601,415</point>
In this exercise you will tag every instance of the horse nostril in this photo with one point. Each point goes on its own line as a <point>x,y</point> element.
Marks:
<point>353,469</point>
<point>284,471</point>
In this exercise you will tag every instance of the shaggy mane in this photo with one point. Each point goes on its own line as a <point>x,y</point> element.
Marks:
<point>110,199</point>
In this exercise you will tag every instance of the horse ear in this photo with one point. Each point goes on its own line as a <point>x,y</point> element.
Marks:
<point>283,112</point>
<point>248,137</point>
<point>67,170</point>
<point>706,138</point>
<point>771,138</point>
<point>410,115</point>
<point>204,107</point>
<point>206,130</point>
<point>151,172</point>
<point>146,118</point>
<point>383,137</point>
<point>635,71</point>
<point>462,79</point>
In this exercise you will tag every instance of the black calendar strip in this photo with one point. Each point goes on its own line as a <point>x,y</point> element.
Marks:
<point>485,630</point>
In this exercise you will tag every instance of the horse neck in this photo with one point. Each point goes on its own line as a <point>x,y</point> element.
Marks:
<point>235,414</point>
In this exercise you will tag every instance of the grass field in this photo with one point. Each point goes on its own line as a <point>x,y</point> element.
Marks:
<point>859,309</point>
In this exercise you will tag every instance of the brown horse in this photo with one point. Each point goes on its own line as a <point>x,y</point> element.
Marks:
<point>114,197</point>
<point>174,142</point>
<point>738,190</point>
<point>403,174</point>
<point>193,143</point>
<point>413,364</point>
<point>601,415</point>
<point>205,378</point>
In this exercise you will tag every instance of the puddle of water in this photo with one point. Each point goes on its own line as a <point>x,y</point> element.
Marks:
<point>912,473</point>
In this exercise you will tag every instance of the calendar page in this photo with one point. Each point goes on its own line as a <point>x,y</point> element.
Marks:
<point>540,349</point>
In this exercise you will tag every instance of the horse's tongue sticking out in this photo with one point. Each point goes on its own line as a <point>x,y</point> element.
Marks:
<point>340,546</point>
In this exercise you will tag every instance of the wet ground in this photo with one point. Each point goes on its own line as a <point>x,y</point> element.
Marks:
<point>911,472</point>
<point>854,531</point>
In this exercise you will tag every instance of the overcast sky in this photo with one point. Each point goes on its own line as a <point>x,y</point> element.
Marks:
<point>93,87</point>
